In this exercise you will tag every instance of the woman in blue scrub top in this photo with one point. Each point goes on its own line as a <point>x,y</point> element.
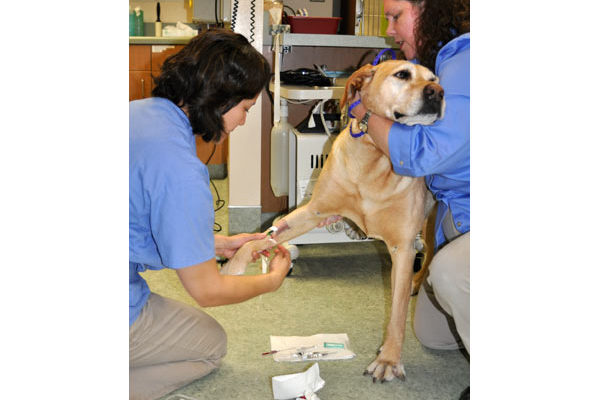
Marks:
<point>436,35</point>
<point>205,89</point>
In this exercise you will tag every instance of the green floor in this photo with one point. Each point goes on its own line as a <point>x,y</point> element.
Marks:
<point>335,288</point>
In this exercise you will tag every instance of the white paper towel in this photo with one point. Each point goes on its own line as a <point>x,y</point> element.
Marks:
<point>180,29</point>
<point>291,386</point>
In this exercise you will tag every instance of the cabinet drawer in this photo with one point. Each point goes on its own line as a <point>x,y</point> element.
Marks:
<point>161,53</point>
<point>139,57</point>
<point>140,84</point>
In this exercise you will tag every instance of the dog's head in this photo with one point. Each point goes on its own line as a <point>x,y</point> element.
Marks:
<point>398,90</point>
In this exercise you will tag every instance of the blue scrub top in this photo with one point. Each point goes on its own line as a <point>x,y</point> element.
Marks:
<point>171,213</point>
<point>441,152</point>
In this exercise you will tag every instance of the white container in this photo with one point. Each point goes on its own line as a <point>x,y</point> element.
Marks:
<point>280,139</point>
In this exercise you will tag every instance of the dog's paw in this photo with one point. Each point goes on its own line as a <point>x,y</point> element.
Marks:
<point>353,231</point>
<point>385,370</point>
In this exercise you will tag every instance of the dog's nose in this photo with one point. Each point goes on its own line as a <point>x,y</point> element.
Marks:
<point>433,91</point>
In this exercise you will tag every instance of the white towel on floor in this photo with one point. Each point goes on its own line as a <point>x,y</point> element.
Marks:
<point>293,386</point>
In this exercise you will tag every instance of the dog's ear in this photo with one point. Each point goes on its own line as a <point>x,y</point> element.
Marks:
<point>357,81</point>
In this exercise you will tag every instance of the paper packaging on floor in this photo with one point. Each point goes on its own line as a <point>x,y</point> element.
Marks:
<point>295,385</point>
<point>338,347</point>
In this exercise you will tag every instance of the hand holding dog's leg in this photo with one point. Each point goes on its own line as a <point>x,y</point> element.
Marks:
<point>298,222</point>
<point>280,263</point>
<point>245,255</point>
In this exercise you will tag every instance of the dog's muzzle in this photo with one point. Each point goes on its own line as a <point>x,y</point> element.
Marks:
<point>433,95</point>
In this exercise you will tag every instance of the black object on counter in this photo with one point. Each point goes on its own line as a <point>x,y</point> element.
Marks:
<point>304,76</point>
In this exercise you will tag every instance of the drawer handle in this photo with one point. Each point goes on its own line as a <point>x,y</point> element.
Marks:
<point>143,88</point>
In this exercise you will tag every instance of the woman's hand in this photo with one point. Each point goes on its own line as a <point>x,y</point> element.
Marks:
<point>226,246</point>
<point>280,265</point>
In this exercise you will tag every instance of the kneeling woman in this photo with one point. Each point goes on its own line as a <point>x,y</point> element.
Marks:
<point>206,89</point>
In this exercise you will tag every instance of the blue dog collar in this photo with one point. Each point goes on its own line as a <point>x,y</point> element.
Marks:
<point>350,108</point>
<point>355,135</point>
<point>381,53</point>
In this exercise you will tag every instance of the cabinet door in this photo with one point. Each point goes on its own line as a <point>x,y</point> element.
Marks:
<point>160,53</point>
<point>139,57</point>
<point>140,84</point>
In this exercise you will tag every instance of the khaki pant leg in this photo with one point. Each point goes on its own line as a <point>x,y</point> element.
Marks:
<point>442,312</point>
<point>170,345</point>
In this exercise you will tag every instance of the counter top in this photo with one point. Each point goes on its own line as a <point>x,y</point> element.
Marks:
<point>289,39</point>
<point>296,92</point>
<point>310,39</point>
<point>159,40</point>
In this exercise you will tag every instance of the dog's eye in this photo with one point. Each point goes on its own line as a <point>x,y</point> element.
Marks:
<point>432,79</point>
<point>403,74</point>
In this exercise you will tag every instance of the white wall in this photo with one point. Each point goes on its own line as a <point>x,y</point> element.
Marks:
<point>315,9</point>
<point>170,10</point>
<point>175,10</point>
<point>244,142</point>
<point>204,10</point>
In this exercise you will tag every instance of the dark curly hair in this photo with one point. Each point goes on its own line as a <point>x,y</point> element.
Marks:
<point>440,22</point>
<point>214,72</point>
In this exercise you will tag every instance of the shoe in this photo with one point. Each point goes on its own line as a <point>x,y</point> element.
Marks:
<point>465,394</point>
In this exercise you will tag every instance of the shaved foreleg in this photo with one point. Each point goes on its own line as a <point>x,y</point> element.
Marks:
<point>298,222</point>
<point>325,201</point>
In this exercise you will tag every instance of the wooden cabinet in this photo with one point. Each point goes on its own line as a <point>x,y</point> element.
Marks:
<point>140,72</point>
<point>145,62</point>
<point>160,54</point>
<point>139,57</point>
<point>140,84</point>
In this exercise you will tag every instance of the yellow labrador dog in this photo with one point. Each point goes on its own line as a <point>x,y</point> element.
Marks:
<point>358,182</point>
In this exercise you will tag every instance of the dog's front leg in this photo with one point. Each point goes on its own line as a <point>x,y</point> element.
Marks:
<point>388,363</point>
<point>298,222</point>
<point>325,201</point>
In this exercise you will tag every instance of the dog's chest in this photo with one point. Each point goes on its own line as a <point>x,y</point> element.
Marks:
<point>375,180</point>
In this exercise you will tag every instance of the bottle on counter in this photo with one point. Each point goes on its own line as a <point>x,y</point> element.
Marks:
<point>139,22</point>
<point>131,23</point>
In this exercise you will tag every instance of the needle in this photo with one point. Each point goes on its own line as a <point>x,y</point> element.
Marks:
<point>297,349</point>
